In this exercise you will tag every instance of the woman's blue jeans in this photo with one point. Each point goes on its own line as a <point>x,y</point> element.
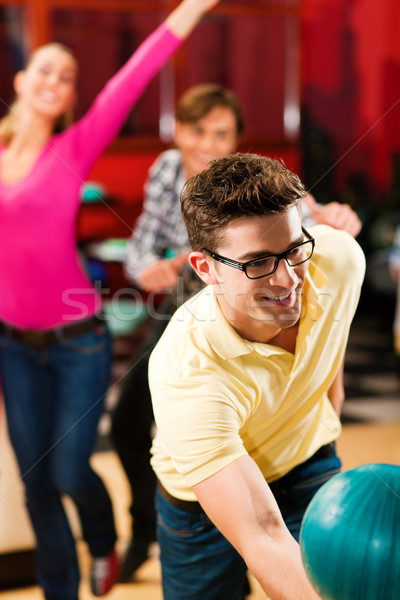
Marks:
<point>198,563</point>
<point>54,399</point>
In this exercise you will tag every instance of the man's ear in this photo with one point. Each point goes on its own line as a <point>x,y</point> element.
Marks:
<point>203,266</point>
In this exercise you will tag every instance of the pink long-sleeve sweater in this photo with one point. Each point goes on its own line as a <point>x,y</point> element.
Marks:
<point>42,281</point>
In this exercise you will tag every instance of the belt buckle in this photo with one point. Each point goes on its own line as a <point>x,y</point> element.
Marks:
<point>34,339</point>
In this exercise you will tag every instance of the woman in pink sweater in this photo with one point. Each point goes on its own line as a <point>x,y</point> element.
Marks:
<point>55,351</point>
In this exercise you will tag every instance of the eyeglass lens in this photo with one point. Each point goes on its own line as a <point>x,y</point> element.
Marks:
<point>294,256</point>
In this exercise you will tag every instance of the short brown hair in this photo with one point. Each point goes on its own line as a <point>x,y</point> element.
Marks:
<point>234,186</point>
<point>200,100</point>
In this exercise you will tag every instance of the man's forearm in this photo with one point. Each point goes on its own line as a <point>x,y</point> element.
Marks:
<point>279,569</point>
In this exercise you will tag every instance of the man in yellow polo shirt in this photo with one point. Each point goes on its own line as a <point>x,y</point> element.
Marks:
<point>246,383</point>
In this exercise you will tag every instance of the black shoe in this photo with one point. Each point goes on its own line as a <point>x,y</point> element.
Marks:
<point>135,555</point>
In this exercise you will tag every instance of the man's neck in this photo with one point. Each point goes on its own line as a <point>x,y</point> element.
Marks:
<point>264,334</point>
<point>286,338</point>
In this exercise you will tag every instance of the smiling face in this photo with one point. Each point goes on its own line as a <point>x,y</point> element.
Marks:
<point>47,87</point>
<point>209,138</point>
<point>258,309</point>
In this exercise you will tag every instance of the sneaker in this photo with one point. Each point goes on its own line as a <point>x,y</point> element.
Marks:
<point>135,555</point>
<point>105,572</point>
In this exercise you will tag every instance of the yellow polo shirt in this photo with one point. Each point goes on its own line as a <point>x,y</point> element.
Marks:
<point>217,396</point>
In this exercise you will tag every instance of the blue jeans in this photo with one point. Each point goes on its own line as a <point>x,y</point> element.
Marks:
<point>198,563</point>
<point>54,399</point>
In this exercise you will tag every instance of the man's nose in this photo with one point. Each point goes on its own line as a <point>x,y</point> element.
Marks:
<point>285,276</point>
<point>206,143</point>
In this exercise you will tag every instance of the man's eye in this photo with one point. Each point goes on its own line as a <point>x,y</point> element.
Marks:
<point>294,251</point>
<point>261,262</point>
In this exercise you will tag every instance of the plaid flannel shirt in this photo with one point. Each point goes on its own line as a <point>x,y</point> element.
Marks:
<point>160,228</point>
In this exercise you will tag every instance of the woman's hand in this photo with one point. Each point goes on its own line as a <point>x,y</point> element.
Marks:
<point>186,16</point>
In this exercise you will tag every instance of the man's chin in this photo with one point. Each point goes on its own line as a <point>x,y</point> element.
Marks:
<point>276,316</point>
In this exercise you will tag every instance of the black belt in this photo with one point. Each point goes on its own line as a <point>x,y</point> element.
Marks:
<point>38,339</point>
<point>324,452</point>
<point>189,505</point>
<point>283,484</point>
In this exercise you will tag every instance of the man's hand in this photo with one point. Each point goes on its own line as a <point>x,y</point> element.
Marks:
<point>163,275</point>
<point>339,216</point>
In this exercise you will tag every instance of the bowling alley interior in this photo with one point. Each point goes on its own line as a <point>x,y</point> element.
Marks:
<point>319,82</point>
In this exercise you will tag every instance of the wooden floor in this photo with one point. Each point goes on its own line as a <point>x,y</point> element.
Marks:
<point>359,444</point>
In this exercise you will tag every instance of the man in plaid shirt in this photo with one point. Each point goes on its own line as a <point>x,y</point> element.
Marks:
<point>209,124</point>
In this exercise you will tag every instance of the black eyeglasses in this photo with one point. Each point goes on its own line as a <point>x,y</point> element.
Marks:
<point>266,265</point>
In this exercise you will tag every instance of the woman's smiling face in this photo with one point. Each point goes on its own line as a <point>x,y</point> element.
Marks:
<point>48,85</point>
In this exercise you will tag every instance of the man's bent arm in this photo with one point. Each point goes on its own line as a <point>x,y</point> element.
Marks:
<point>241,505</point>
<point>336,391</point>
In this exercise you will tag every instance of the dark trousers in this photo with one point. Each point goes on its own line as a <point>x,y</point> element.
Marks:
<point>131,433</point>
<point>54,398</point>
<point>198,562</point>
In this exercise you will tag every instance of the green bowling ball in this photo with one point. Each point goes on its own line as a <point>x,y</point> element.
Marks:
<point>350,535</point>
